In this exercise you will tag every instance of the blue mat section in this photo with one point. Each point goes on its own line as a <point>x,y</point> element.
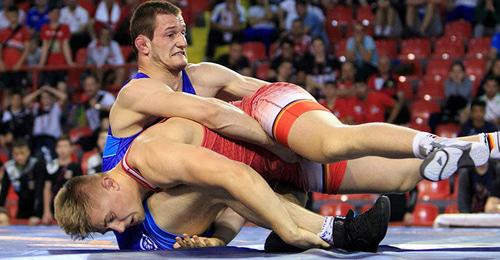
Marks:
<point>401,243</point>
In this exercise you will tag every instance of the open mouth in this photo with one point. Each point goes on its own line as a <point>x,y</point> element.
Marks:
<point>183,53</point>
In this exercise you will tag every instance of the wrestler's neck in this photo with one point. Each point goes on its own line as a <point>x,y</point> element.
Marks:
<point>127,184</point>
<point>172,78</point>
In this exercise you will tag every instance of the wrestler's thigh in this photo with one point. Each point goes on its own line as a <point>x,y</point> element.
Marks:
<point>380,175</point>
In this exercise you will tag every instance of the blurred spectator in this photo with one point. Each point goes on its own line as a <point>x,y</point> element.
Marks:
<point>346,80</point>
<point>301,40</point>
<point>458,84</point>
<point>122,32</point>
<point>385,81</point>
<point>235,60</point>
<point>477,123</point>
<point>94,162</point>
<point>108,13</point>
<point>285,73</point>
<point>38,15</point>
<point>227,24</point>
<point>475,186</point>
<point>261,22</point>
<point>373,106</point>
<point>47,119</point>
<point>313,24</point>
<point>17,119</point>
<point>55,48</point>
<point>340,107</point>
<point>14,50</point>
<point>104,50</point>
<point>288,13</point>
<point>25,173</point>
<point>99,101</point>
<point>285,53</point>
<point>361,49</point>
<point>462,9</point>
<point>77,19</point>
<point>487,18</point>
<point>320,67</point>
<point>4,218</point>
<point>492,99</point>
<point>495,47</point>
<point>387,22</point>
<point>4,21</point>
<point>423,18</point>
<point>34,52</point>
<point>59,170</point>
<point>493,72</point>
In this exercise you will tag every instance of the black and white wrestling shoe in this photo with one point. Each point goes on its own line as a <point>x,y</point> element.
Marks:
<point>361,233</point>
<point>446,156</point>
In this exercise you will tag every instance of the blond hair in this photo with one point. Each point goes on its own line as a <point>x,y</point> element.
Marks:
<point>72,204</point>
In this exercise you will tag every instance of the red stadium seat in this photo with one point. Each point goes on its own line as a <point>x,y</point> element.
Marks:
<point>420,126</point>
<point>85,158</point>
<point>263,70</point>
<point>413,49</point>
<point>11,202</point>
<point>81,56</point>
<point>335,209</point>
<point>254,51</point>
<point>459,30</point>
<point>387,48</point>
<point>479,48</point>
<point>451,209</point>
<point>78,132</point>
<point>126,52</point>
<point>438,68</point>
<point>340,49</point>
<point>424,214</point>
<point>448,49</point>
<point>339,16</point>
<point>428,190</point>
<point>89,6</point>
<point>476,70</point>
<point>421,110</point>
<point>405,85</point>
<point>431,91</point>
<point>365,15</point>
<point>316,196</point>
<point>450,130</point>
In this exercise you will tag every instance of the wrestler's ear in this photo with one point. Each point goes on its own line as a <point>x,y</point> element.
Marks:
<point>143,44</point>
<point>110,184</point>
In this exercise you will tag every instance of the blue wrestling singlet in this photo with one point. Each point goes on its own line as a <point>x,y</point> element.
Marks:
<point>115,147</point>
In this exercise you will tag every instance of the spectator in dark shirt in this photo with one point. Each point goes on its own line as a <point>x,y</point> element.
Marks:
<point>16,118</point>
<point>285,53</point>
<point>25,174</point>
<point>475,186</point>
<point>235,60</point>
<point>477,123</point>
<point>59,171</point>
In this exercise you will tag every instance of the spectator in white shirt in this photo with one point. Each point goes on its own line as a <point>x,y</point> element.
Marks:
<point>4,22</point>
<point>99,101</point>
<point>492,98</point>
<point>103,51</point>
<point>108,12</point>
<point>77,19</point>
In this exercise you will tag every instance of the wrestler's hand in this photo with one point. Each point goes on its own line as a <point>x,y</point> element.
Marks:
<point>47,218</point>
<point>282,152</point>
<point>193,242</point>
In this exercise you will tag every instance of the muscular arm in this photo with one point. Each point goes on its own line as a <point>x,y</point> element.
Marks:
<point>169,164</point>
<point>159,100</point>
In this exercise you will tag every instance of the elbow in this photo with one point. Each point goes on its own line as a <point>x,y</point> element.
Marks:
<point>211,114</point>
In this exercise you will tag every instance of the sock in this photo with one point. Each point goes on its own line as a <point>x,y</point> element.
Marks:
<point>422,144</point>
<point>327,230</point>
<point>491,141</point>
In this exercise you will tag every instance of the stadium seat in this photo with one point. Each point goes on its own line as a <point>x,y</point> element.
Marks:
<point>11,202</point>
<point>126,52</point>
<point>422,126</point>
<point>85,158</point>
<point>78,132</point>
<point>365,15</point>
<point>421,110</point>
<point>428,190</point>
<point>405,85</point>
<point>387,48</point>
<point>413,49</point>
<point>431,91</point>
<point>254,51</point>
<point>335,209</point>
<point>316,196</point>
<point>339,16</point>
<point>81,56</point>
<point>476,70</point>
<point>479,48</point>
<point>424,214</point>
<point>450,130</point>
<point>340,49</point>
<point>448,49</point>
<point>438,69</point>
<point>89,6</point>
<point>458,29</point>
<point>451,209</point>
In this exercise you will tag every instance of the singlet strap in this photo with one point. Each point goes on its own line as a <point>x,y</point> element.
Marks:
<point>136,175</point>
<point>187,87</point>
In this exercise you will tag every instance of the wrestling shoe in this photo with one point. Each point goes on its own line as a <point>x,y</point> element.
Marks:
<point>364,232</point>
<point>361,233</point>
<point>491,140</point>
<point>449,155</point>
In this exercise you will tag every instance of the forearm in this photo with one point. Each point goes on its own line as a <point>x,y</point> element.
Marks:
<point>47,197</point>
<point>67,52</point>
<point>227,225</point>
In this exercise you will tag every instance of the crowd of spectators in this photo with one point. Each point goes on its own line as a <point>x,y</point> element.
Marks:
<point>354,56</point>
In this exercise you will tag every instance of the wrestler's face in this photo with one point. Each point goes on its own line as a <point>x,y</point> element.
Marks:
<point>168,47</point>
<point>114,207</point>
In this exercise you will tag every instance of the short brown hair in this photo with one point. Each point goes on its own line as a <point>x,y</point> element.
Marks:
<point>71,206</point>
<point>143,19</point>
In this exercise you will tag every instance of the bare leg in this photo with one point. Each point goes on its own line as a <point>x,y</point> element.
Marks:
<point>380,175</point>
<point>319,136</point>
